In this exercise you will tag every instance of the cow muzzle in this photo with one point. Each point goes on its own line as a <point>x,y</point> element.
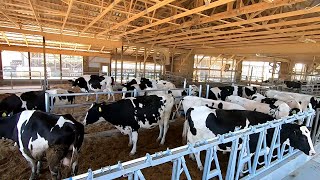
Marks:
<point>312,153</point>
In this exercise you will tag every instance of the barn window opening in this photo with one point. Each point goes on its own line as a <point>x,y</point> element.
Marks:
<point>299,71</point>
<point>213,68</point>
<point>24,65</point>
<point>257,71</point>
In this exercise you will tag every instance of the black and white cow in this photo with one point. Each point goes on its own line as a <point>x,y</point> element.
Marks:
<point>192,101</point>
<point>220,93</point>
<point>32,100</point>
<point>303,99</point>
<point>138,84</point>
<point>206,123</point>
<point>39,134</point>
<point>277,109</point>
<point>130,114</point>
<point>94,83</point>
<point>293,104</point>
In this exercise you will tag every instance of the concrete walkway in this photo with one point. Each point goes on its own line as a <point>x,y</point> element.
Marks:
<point>309,171</point>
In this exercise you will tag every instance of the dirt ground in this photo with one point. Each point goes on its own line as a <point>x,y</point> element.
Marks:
<point>98,152</point>
<point>101,151</point>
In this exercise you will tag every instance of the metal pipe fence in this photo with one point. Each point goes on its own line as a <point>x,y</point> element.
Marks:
<point>272,156</point>
<point>49,98</point>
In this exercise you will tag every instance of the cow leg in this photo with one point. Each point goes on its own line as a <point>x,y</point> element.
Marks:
<point>54,157</point>
<point>134,141</point>
<point>32,163</point>
<point>165,130</point>
<point>130,139</point>
<point>199,161</point>
<point>39,166</point>
<point>160,131</point>
<point>87,98</point>
<point>74,168</point>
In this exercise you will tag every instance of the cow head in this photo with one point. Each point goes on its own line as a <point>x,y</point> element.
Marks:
<point>80,82</point>
<point>194,90</point>
<point>94,113</point>
<point>299,137</point>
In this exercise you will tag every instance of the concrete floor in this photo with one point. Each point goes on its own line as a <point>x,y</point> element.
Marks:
<point>309,171</point>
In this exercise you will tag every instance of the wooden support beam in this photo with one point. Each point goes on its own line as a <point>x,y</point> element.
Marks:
<point>5,37</point>
<point>67,15</point>
<point>297,48</point>
<point>187,13</point>
<point>35,14</point>
<point>10,19</point>
<point>150,9</point>
<point>68,38</point>
<point>236,12</point>
<point>186,57</point>
<point>25,39</point>
<point>51,51</point>
<point>105,11</point>
<point>261,19</point>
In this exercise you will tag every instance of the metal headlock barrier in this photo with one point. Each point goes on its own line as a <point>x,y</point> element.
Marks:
<point>272,155</point>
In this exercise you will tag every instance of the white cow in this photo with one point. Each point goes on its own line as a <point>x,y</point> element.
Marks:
<point>296,98</point>
<point>192,101</point>
<point>277,110</point>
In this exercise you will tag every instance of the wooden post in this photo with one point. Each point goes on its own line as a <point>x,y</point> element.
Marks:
<point>44,64</point>
<point>29,62</point>
<point>1,69</point>
<point>144,63</point>
<point>121,64</point>
<point>60,65</point>
<point>115,68</point>
<point>136,66</point>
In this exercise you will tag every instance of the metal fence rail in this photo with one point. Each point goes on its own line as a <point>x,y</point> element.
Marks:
<point>49,98</point>
<point>132,169</point>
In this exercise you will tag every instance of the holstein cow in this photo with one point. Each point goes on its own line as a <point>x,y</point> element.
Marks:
<point>302,99</point>
<point>220,93</point>
<point>191,101</point>
<point>39,134</point>
<point>293,104</point>
<point>206,123</point>
<point>130,114</point>
<point>138,84</point>
<point>95,83</point>
<point>277,110</point>
<point>32,100</point>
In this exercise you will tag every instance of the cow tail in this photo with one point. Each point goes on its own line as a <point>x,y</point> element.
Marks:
<point>184,132</point>
<point>78,139</point>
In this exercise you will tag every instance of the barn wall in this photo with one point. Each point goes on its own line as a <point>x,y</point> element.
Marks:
<point>93,63</point>
<point>183,66</point>
<point>285,70</point>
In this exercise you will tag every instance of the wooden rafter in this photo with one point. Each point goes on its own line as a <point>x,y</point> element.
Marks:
<point>35,14</point>
<point>10,19</point>
<point>109,8</point>
<point>260,19</point>
<point>236,12</point>
<point>67,15</point>
<point>186,13</point>
<point>5,37</point>
<point>150,9</point>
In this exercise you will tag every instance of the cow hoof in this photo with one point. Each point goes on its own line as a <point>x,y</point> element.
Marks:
<point>132,153</point>
<point>200,168</point>
<point>158,139</point>
<point>162,143</point>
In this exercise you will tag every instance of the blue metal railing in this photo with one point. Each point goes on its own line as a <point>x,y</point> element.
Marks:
<point>132,169</point>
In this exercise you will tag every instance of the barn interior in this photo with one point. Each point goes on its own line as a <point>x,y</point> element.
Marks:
<point>44,43</point>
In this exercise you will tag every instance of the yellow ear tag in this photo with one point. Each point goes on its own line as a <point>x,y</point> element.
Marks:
<point>100,110</point>
<point>4,114</point>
